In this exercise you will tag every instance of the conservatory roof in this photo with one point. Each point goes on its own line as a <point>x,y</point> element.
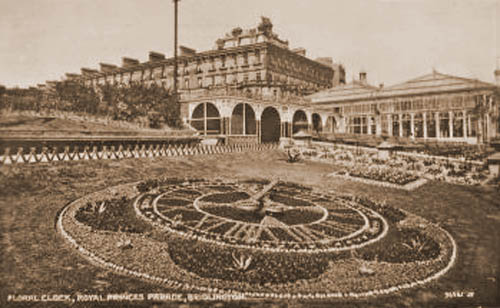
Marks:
<point>427,84</point>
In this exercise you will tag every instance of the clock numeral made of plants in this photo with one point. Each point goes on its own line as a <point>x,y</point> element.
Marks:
<point>258,237</point>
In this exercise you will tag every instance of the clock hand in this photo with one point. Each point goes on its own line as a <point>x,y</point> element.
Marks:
<point>265,190</point>
<point>255,201</point>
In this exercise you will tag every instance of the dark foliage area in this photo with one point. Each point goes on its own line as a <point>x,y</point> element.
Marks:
<point>402,245</point>
<point>392,214</point>
<point>112,215</point>
<point>226,197</point>
<point>214,261</point>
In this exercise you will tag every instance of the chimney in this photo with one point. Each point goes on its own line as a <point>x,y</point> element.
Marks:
<point>497,73</point>
<point>70,76</point>
<point>300,51</point>
<point>51,83</point>
<point>128,62</point>
<point>362,77</point>
<point>325,60</point>
<point>88,72</point>
<point>107,68</point>
<point>186,51</point>
<point>156,56</point>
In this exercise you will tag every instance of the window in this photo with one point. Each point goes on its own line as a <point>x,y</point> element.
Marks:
<point>444,125</point>
<point>358,125</point>
<point>472,124</point>
<point>406,121</point>
<point>418,122</point>
<point>186,83</point>
<point>257,57</point>
<point>373,126</point>
<point>395,125</point>
<point>458,124</point>
<point>431,124</point>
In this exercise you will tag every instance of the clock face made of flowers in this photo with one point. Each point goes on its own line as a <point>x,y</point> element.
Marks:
<point>269,215</point>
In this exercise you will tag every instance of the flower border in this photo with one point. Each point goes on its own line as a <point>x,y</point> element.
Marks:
<point>408,186</point>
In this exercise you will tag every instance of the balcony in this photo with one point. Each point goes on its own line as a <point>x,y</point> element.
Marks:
<point>218,91</point>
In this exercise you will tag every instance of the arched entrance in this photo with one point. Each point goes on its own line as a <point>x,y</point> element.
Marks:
<point>243,120</point>
<point>270,125</point>
<point>316,121</point>
<point>206,119</point>
<point>299,121</point>
<point>332,124</point>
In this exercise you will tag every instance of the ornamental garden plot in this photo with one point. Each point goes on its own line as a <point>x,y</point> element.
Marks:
<point>259,237</point>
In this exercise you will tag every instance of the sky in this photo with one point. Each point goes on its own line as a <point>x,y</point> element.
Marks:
<point>392,40</point>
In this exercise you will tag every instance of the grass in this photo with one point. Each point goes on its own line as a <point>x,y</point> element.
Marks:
<point>34,259</point>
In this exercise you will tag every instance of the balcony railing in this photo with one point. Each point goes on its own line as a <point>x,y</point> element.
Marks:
<point>187,95</point>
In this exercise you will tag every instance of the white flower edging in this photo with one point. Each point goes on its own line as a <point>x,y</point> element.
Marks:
<point>94,259</point>
<point>304,250</point>
<point>408,187</point>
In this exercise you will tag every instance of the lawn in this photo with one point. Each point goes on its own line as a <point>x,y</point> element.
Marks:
<point>35,260</point>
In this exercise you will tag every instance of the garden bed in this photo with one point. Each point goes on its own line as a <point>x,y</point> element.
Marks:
<point>408,186</point>
<point>420,252</point>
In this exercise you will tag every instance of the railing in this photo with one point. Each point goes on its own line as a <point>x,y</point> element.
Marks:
<point>207,93</point>
<point>139,150</point>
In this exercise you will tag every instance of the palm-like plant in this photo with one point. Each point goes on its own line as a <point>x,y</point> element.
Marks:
<point>242,263</point>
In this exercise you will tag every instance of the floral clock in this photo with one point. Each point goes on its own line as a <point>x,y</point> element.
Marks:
<point>277,215</point>
<point>258,238</point>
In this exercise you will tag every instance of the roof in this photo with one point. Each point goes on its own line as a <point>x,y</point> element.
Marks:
<point>351,91</point>
<point>435,82</point>
<point>432,83</point>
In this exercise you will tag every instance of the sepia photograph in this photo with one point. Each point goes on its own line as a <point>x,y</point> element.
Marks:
<point>265,153</point>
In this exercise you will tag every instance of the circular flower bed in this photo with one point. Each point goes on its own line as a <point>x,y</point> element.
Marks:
<point>172,232</point>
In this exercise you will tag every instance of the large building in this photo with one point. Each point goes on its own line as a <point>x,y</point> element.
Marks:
<point>249,88</point>
<point>255,60</point>
<point>435,106</point>
<point>252,87</point>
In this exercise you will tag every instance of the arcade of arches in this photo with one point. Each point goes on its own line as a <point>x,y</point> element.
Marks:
<point>251,122</point>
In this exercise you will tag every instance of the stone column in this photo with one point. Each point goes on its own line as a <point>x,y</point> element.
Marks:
<point>222,125</point>
<point>258,129</point>
<point>389,124</point>
<point>369,123</point>
<point>487,127</point>
<point>464,123</point>
<point>436,119</point>
<point>450,122</point>
<point>400,117</point>
<point>412,124</point>
<point>378,125</point>
<point>424,119</point>
<point>290,129</point>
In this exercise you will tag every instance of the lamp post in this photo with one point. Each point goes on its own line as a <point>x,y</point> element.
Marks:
<point>175,48</point>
